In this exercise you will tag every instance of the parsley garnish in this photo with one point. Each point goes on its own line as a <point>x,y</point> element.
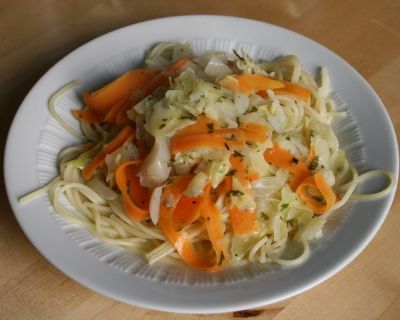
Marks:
<point>236,193</point>
<point>313,164</point>
<point>187,117</point>
<point>237,55</point>
<point>221,258</point>
<point>237,154</point>
<point>210,127</point>
<point>284,206</point>
<point>252,109</point>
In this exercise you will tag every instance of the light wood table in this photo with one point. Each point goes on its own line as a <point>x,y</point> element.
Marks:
<point>35,34</point>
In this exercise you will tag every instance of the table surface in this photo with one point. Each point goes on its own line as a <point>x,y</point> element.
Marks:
<point>35,34</point>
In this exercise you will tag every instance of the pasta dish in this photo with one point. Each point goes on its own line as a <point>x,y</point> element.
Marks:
<point>215,160</point>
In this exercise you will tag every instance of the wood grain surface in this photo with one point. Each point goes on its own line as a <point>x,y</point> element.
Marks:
<point>35,34</point>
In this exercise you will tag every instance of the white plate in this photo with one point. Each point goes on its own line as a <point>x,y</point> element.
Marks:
<point>35,139</point>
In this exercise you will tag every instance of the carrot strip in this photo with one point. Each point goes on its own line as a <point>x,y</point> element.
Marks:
<point>254,132</point>
<point>136,197</point>
<point>283,159</point>
<point>124,135</point>
<point>162,78</point>
<point>240,169</point>
<point>250,83</point>
<point>202,125</point>
<point>215,229</point>
<point>253,176</point>
<point>86,115</point>
<point>318,183</point>
<point>243,222</point>
<point>184,245</point>
<point>122,117</point>
<point>258,83</point>
<point>112,114</point>
<point>187,211</point>
<point>225,186</point>
<point>102,100</point>
<point>294,90</point>
<point>206,133</point>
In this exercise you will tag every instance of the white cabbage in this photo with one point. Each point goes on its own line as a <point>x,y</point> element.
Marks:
<point>196,185</point>
<point>218,170</point>
<point>166,53</point>
<point>240,197</point>
<point>155,170</point>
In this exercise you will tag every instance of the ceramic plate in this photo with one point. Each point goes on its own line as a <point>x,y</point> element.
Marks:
<point>35,139</point>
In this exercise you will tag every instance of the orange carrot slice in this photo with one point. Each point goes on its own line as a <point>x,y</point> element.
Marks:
<point>238,165</point>
<point>215,229</point>
<point>112,114</point>
<point>202,125</point>
<point>136,197</point>
<point>243,223</point>
<point>184,245</point>
<point>225,186</point>
<point>283,159</point>
<point>123,136</point>
<point>294,90</point>
<point>182,143</point>
<point>86,115</point>
<point>187,211</point>
<point>251,83</point>
<point>254,132</point>
<point>319,184</point>
<point>253,176</point>
<point>102,100</point>
<point>162,79</point>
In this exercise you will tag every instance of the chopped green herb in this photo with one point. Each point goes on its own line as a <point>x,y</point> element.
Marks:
<point>252,109</point>
<point>227,147</point>
<point>187,117</point>
<point>287,138</point>
<point>170,162</point>
<point>169,180</point>
<point>221,258</point>
<point>264,215</point>
<point>236,193</point>
<point>210,127</point>
<point>313,164</point>
<point>295,160</point>
<point>238,55</point>
<point>237,154</point>
<point>284,206</point>
<point>162,126</point>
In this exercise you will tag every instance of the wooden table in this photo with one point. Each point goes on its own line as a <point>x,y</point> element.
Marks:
<point>35,34</point>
